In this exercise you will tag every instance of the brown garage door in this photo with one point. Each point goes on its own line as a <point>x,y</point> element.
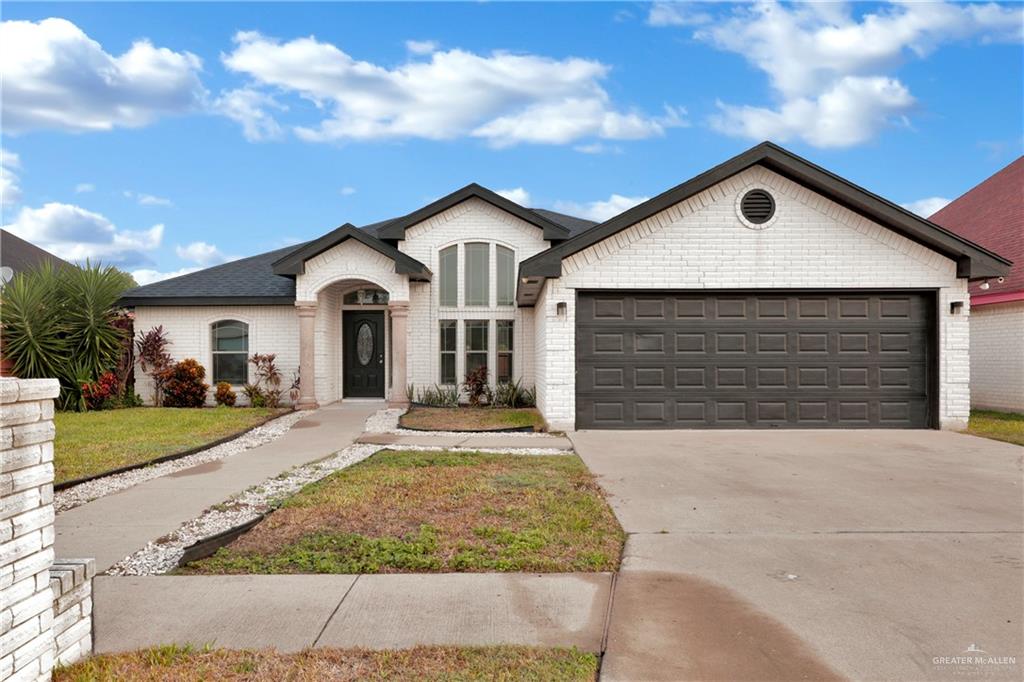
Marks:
<point>648,360</point>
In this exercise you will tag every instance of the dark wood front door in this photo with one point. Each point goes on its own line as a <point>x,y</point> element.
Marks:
<point>364,354</point>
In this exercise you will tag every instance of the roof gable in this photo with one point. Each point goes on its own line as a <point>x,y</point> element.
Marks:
<point>396,228</point>
<point>20,255</point>
<point>972,260</point>
<point>294,263</point>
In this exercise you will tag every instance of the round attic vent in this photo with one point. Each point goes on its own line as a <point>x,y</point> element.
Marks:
<point>757,206</point>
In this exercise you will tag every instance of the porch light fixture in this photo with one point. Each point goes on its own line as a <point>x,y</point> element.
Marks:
<point>561,308</point>
<point>956,307</point>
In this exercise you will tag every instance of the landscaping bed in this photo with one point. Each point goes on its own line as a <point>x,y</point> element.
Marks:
<point>93,443</point>
<point>435,511</point>
<point>472,419</point>
<point>421,663</point>
<point>1004,426</point>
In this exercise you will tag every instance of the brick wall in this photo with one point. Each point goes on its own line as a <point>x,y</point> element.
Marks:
<point>28,645</point>
<point>997,356</point>
<point>702,244</point>
<point>71,590</point>
<point>272,329</point>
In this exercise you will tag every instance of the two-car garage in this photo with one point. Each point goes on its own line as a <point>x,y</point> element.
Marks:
<point>731,359</point>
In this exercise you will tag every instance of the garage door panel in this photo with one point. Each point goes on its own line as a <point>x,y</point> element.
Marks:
<point>758,360</point>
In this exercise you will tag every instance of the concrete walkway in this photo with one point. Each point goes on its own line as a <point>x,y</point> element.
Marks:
<point>292,612</point>
<point>117,525</point>
<point>490,441</point>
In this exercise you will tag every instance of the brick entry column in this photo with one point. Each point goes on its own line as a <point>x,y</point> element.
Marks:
<point>399,318</point>
<point>307,355</point>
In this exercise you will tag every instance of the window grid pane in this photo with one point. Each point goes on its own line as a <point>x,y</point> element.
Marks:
<point>230,350</point>
<point>476,344</point>
<point>505,336</point>
<point>477,274</point>
<point>448,343</point>
<point>506,275</point>
<point>449,266</point>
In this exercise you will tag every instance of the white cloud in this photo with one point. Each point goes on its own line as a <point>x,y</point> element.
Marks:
<point>144,276</point>
<point>83,187</point>
<point>148,199</point>
<point>249,107</point>
<point>74,233</point>
<point>347,191</point>
<point>421,46</point>
<point>200,253</point>
<point>926,207</point>
<point>57,77</point>
<point>516,194</point>
<point>501,98</point>
<point>598,148</point>
<point>676,14</point>
<point>10,190</point>
<point>599,210</point>
<point>830,71</point>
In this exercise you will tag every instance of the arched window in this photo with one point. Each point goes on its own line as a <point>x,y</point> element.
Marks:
<point>230,351</point>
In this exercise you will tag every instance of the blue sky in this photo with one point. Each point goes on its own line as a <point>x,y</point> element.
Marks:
<point>164,137</point>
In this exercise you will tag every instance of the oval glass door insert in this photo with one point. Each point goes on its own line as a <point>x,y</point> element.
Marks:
<point>364,344</point>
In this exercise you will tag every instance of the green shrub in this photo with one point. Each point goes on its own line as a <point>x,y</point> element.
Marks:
<point>63,322</point>
<point>255,395</point>
<point>513,394</point>
<point>224,395</point>
<point>184,385</point>
<point>436,396</point>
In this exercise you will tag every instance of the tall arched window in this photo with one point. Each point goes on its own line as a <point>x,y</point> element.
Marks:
<point>230,351</point>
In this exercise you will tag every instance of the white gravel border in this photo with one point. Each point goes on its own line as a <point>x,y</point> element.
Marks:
<point>386,421</point>
<point>70,498</point>
<point>162,555</point>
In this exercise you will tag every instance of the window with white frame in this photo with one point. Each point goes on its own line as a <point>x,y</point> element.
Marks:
<point>505,332</point>
<point>448,277</point>
<point>230,344</point>
<point>477,332</point>
<point>478,274</point>
<point>448,350</point>
<point>506,274</point>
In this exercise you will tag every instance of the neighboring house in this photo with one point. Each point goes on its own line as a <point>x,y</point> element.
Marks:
<point>765,292</point>
<point>20,255</point>
<point>992,215</point>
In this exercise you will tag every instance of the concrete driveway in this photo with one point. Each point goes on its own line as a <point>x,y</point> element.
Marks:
<point>871,555</point>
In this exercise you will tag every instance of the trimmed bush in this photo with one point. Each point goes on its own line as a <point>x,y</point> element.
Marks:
<point>184,385</point>
<point>224,395</point>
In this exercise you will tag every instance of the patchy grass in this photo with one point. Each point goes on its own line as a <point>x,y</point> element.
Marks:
<point>186,664</point>
<point>1004,426</point>
<point>90,443</point>
<point>414,511</point>
<point>471,418</point>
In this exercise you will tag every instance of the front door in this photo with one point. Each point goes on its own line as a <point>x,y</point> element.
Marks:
<point>364,354</point>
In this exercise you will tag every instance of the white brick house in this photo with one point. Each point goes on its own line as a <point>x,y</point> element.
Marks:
<point>765,292</point>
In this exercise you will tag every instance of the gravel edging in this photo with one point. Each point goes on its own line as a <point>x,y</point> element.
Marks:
<point>163,554</point>
<point>386,421</point>
<point>69,498</point>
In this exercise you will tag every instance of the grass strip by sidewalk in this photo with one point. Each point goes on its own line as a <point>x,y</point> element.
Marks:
<point>91,443</point>
<point>1004,426</point>
<point>187,664</point>
<point>471,418</point>
<point>415,511</point>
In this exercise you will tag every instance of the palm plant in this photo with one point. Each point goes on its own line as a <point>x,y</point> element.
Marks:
<point>60,322</point>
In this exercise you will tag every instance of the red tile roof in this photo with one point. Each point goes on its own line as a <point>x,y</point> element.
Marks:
<point>992,215</point>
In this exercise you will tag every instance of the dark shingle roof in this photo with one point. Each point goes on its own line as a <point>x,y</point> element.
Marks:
<point>572,223</point>
<point>20,255</point>
<point>247,280</point>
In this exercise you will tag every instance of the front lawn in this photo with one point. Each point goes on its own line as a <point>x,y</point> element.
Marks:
<point>186,664</point>
<point>471,418</point>
<point>90,443</point>
<point>1004,426</point>
<point>415,511</point>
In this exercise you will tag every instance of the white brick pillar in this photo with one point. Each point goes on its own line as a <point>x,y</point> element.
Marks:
<point>307,355</point>
<point>26,528</point>
<point>399,353</point>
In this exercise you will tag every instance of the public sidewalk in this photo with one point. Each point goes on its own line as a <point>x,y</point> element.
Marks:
<point>112,527</point>
<point>292,612</point>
